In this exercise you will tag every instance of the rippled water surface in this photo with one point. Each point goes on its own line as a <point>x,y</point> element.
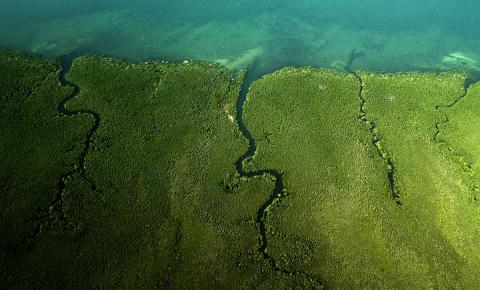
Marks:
<point>389,35</point>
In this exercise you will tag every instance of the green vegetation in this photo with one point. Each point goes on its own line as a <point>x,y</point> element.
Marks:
<point>339,220</point>
<point>439,219</point>
<point>459,139</point>
<point>132,183</point>
<point>37,146</point>
<point>163,157</point>
<point>168,213</point>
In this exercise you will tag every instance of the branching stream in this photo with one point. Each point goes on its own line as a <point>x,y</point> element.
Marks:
<point>278,192</point>
<point>44,217</point>
<point>375,139</point>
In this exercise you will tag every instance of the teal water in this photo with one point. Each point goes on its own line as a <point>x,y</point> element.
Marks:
<point>390,35</point>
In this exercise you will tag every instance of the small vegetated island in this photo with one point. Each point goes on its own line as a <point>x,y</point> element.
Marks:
<point>134,175</point>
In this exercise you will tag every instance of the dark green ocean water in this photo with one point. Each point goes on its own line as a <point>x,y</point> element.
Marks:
<point>390,35</point>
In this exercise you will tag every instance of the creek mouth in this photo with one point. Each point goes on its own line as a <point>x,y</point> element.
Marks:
<point>61,109</point>
<point>44,217</point>
<point>278,192</point>
<point>66,65</point>
<point>372,128</point>
<point>246,157</point>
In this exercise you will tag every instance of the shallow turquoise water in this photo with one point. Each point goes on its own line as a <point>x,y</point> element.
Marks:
<point>390,35</point>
